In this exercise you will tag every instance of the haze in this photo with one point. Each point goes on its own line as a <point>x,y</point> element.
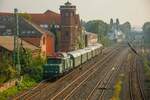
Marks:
<point>135,11</point>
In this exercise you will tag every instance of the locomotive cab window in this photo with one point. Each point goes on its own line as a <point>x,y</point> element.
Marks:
<point>54,61</point>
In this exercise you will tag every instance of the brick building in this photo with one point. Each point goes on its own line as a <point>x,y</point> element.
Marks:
<point>70,27</point>
<point>67,23</point>
<point>90,38</point>
<point>7,47</point>
<point>29,32</point>
<point>44,20</point>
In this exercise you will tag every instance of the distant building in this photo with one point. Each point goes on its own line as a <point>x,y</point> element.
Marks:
<point>90,38</point>
<point>115,33</point>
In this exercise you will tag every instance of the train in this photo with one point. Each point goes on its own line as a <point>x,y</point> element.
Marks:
<point>57,66</point>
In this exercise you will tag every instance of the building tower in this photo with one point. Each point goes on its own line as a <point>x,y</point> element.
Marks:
<point>69,27</point>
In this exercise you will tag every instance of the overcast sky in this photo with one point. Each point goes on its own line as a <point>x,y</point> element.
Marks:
<point>135,11</point>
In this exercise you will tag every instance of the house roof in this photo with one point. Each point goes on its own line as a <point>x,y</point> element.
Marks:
<point>7,42</point>
<point>90,33</point>
<point>47,17</point>
<point>5,14</point>
<point>32,40</point>
<point>36,40</point>
<point>37,27</point>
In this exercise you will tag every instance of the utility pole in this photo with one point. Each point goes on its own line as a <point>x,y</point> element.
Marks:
<point>16,43</point>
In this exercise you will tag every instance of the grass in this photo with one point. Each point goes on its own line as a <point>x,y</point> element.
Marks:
<point>147,72</point>
<point>147,68</point>
<point>26,83</point>
<point>117,88</point>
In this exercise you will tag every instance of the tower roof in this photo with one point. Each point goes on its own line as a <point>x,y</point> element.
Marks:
<point>68,3</point>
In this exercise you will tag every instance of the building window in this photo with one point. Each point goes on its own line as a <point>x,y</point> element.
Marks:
<point>8,30</point>
<point>0,50</point>
<point>57,26</point>
<point>42,25</point>
<point>2,26</point>
<point>33,32</point>
<point>67,14</point>
<point>71,14</point>
<point>43,40</point>
<point>23,32</point>
<point>45,26</point>
<point>28,32</point>
<point>66,35</point>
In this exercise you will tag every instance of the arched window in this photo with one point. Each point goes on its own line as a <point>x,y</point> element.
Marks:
<point>43,40</point>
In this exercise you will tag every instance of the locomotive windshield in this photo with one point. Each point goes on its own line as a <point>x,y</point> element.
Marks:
<point>53,61</point>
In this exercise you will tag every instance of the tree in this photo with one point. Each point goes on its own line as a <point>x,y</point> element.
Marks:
<point>126,27</point>
<point>26,16</point>
<point>7,70</point>
<point>146,27</point>
<point>111,22</point>
<point>146,30</point>
<point>100,28</point>
<point>97,26</point>
<point>117,21</point>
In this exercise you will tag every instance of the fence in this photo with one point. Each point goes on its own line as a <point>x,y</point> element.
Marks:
<point>7,85</point>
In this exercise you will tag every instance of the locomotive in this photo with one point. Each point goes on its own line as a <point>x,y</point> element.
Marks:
<point>65,62</point>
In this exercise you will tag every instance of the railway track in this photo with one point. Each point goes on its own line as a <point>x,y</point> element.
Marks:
<point>36,93</point>
<point>100,88</point>
<point>135,87</point>
<point>43,84</point>
<point>68,91</point>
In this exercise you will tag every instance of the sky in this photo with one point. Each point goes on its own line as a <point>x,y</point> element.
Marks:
<point>135,11</point>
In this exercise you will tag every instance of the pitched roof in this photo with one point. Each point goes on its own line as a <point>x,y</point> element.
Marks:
<point>5,14</point>
<point>47,17</point>
<point>32,40</point>
<point>37,27</point>
<point>7,42</point>
<point>90,33</point>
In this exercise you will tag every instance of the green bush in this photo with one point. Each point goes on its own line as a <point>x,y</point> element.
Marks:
<point>26,83</point>
<point>31,70</point>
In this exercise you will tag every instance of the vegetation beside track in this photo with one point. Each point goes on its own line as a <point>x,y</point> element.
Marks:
<point>117,88</point>
<point>146,63</point>
<point>26,83</point>
<point>31,72</point>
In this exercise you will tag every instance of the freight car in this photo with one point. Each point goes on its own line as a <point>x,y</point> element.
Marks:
<point>65,62</point>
